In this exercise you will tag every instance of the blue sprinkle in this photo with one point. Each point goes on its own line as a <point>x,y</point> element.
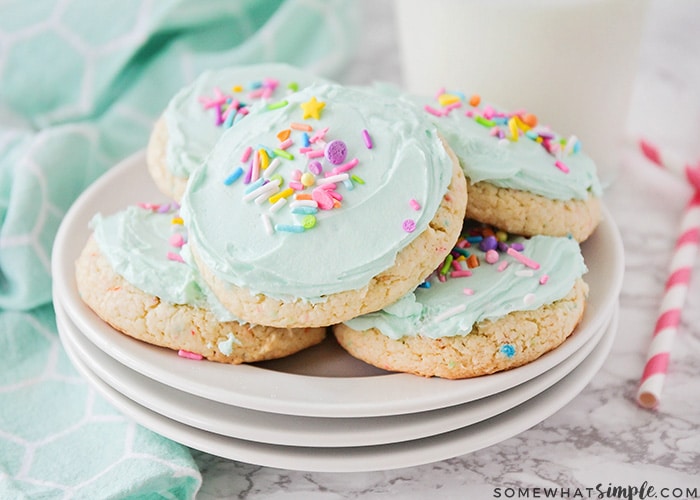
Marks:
<point>425,284</point>
<point>289,228</point>
<point>306,139</point>
<point>255,85</point>
<point>255,185</point>
<point>234,176</point>
<point>508,350</point>
<point>304,210</point>
<point>348,184</point>
<point>474,239</point>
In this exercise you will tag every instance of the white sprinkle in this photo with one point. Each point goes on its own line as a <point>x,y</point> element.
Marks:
<point>303,203</point>
<point>332,179</point>
<point>525,273</point>
<point>271,167</point>
<point>266,222</point>
<point>266,195</point>
<point>265,188</point>
<point>529,299</point>
<point>277,205</point>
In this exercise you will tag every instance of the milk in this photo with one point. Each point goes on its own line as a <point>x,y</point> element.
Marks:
<point>570,62</point>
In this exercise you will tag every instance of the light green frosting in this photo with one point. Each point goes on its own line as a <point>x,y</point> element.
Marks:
<point>524,165</point>
<point>348,245</point>
<point>192,128</point>
<point>136,242</point>
<point>445,310</point>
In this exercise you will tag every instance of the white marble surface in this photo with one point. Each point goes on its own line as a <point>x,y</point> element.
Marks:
<point>602,436</point>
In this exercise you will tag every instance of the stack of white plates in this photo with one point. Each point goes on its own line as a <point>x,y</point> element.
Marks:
<point>319,410</point>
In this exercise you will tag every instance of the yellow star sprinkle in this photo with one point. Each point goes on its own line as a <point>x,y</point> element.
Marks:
<point>312,108</point>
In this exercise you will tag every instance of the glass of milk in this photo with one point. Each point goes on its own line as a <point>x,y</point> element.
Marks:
<point>572,63</point>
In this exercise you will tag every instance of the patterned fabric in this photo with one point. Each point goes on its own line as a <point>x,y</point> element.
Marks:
<point>81,83</point>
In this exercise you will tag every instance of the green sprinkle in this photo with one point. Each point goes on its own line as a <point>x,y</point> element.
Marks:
<point>446,266</point>
<point>485,122</point>
<point>357,179</point>
<point>277,105</point>
<point>308,221</point>
<point>283,153</point>
<point>293,86</point>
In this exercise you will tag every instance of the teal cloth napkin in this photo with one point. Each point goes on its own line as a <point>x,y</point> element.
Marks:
<point>81,84</point>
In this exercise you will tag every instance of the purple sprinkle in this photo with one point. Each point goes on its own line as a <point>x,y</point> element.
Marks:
<point>502,246</point>
<point>488,243</point>
<point>366,137</point>
<point>336,152</point>
<point>519,247</point>
<point>409,225</point>
<point>315,167</point>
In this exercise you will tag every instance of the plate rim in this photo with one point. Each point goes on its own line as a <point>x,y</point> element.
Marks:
<point>273,428</point>
<point>368,458</point>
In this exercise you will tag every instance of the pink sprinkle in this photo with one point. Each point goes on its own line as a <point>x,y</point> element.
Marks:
<point>320,134</point>
<point>246,154</point>
<point>544,279</point>
<point>189,355</point>
<point>457,264</point>
<point>469,113</point>
<point>367,139</point>
<point>256,93</point>
<point>433,111</point>
<point>522,259</point>
<point>348,166</point>
<point>502,266</point>
<point>468,291</point>
<point>560,165</point>
<point>409,225</point>
<point>414,204</point>
<point>452,106</point>
<point>491,256</point>
<point>296,186</point>
<point>440,91</point>
<point>305,149</point>
<point>314,153</point>
<point>324,200</point>
<point>243,111</point>
<point>442,278</point>
<point>463,273</point>
<point>177,240</point>
<point>336,195</point>
<point>175,257</point>
<point>286,144</point>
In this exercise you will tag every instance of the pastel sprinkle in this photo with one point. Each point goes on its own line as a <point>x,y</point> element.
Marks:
<point>233,177</point>
<point>491,256</point>
<point>472,261</point>
<point>347,166</point>
<point>177,220</point>
<point>409,225</point>
<point>277,205</point>
<point>289,228</point>
<point>332,179</point>
<point>189,355</point>
<point>502,266</point>
<point>522,259</point>
<point>305,139</point>
<point>462,273</point>
<point>271,168</point>
<point>296,185</point>
<point>303,210</point>
<point>524,273</point>
<point>508,350</point>
<point>284,154</point>
<point>302,203</point>
<point>433,111</point>
<point>447,264</point>
<point>255,185</point>
<point>315,167</point>
<point>301,126</point>
<point>544,279</point>
<point>267,224</point>
<point>561,166</point>
<point>282,194</point>
<point>529,299</point>
<point>414,204</point>
<point>366,137</point>
<point>284,145</point>
<point>176,240</point>
<point>277,105</point>
<point>468,291</point>
<point>484,121</point>
<point>175,257</point>
<point>246,154</point>
<point>308,221</point>
<point>283,135</point>
<point>357,179</point>
<point>336,151</point>
<point>315,153</point>
<point>324,200</point>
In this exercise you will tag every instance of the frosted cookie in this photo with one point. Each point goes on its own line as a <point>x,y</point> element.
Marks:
<point>491,306</point>
<point>521,176</point>
<point>334,204</point>
<point>134,275</point>
<point>198,114</point>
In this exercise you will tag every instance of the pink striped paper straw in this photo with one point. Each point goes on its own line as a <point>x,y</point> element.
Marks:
<point>675,292</point>
<point>671,163</point>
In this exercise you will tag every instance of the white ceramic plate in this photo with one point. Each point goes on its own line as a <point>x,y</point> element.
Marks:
<point>366,458</point>
<point>319,382</point>
<point>293,430</point>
